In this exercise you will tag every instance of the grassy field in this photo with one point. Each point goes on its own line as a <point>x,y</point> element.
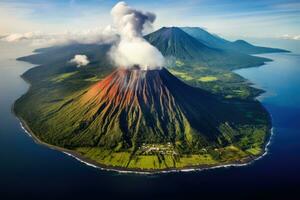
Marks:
<point>218,81</point>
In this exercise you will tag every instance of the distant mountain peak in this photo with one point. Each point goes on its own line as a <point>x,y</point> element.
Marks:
<point>170,31</point>
<point>242,42</point>
<point>172,41</point>
<point>175,43</point>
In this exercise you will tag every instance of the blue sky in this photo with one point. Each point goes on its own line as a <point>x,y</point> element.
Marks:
<point>229,18</point>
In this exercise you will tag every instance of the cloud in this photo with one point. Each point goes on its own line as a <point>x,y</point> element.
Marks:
<point>133,49</point>
<point>290,37</point>
<point>16,37</point>
<point>80,60</point>
<point>91,36</point>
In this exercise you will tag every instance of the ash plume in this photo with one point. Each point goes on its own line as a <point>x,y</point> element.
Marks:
<point>132,49</point>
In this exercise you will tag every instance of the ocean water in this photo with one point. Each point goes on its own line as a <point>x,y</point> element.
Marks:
<point>32,171</point>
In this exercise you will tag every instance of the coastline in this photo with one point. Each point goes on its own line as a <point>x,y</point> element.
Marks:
<point>91,163</point>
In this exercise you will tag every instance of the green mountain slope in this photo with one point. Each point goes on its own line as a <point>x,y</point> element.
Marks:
<point>215,41</point>
<point>175,43</point>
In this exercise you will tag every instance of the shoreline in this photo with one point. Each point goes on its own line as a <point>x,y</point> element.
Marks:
<point>94,164</point>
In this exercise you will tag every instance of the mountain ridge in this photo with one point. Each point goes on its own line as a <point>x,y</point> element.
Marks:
<point>175,43</point>
<point>216,41</point>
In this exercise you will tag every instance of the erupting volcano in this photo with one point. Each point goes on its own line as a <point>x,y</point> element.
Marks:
<point>132,107</point>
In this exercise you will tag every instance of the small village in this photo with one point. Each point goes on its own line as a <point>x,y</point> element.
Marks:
<point>164,149</point>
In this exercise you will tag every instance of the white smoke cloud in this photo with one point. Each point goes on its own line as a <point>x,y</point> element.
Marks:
<point>133,49</point>
<point>80,60</point>
<point>91,36</point>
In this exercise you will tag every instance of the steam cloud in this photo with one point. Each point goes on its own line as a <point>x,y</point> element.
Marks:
<point>80,60</point>
<point>133,49</point>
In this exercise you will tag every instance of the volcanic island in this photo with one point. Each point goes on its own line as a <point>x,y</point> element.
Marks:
<point>150,120</point>
<point>190,114</point>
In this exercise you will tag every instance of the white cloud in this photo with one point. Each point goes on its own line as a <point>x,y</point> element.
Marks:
<point>290,37</point>
<point>15,37</point>
<point>80,60</point>
<point>133,49</point>
<point>91,36</point>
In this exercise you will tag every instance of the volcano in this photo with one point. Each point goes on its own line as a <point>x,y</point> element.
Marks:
<point>134,106</point>
<point>131,107</point>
